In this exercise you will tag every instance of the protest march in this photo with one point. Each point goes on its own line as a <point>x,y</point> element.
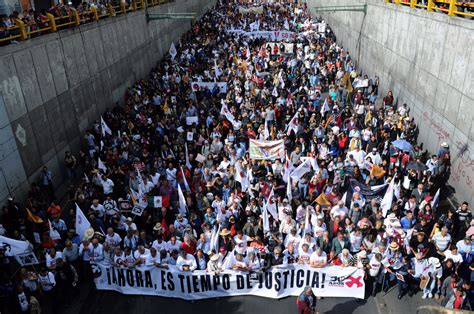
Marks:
<point>255,159</point>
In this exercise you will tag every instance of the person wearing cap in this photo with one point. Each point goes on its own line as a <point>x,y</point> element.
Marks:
<point>212,264</point>
<point>180,223</point>
<point>306,302</point>
<point>434,277</point>
<point>393,260</point>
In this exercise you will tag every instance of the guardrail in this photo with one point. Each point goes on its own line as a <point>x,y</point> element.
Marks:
<point>449,7</point>
<point>23,31</point>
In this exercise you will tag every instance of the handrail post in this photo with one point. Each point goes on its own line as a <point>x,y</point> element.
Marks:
<point>95,14</point>
<point>397,2</point>
<point>431,5</point>
<point>413,3</point>
<point>133,5</point>
<point>122,6</point>
<point>142,3</point>
<point>77,19</point>
<point>110,9</point>
<point>21,25</point>
<point>452,8</point>
<point>52,22</point>
<point>388,1</point>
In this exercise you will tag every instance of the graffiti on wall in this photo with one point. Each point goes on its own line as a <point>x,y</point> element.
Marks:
<point>462,167</point>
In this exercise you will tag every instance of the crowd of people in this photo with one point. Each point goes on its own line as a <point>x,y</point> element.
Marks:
<point>166,178</point>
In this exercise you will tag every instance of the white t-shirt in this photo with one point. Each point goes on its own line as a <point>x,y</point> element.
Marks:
<point>176,246</point>
<point>51,261</point>
<point>456,258</point>
<point>159,246</point>
<point>113,240</point>
<point>304,256</point>
<point>22,299</point>
<point>151,260</point>
<point>375,266</point>
<point>47,281</point>
<point>190,261</point>
<point>315,258</point>
<point>241,244</point>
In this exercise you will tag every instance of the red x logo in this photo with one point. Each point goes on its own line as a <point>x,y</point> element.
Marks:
<point>354,281</point>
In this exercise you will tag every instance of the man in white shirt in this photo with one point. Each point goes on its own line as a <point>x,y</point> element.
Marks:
<point>442,240</point>
<point>98,209</point>
<point>304,254</point>
<point>318,259</point>
<point>241,242</point>
<point>375,156</point>
<point>107,184</point>
<point>339,210</point>
<point>454,255</point>
<point>186,262</point>
<point>173,244</point>
<point>112,239</point>
<point>141,254</point>
<point>52,257</point>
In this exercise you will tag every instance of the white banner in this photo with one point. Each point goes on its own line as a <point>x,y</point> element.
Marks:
<point>269,35</point>
<point>251,9</point>
<point>267,150</point>
<point>199,86</point>
<point>332,281</point>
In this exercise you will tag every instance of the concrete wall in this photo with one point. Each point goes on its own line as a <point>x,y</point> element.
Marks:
<point>427,60</point>
<point>52,88</point>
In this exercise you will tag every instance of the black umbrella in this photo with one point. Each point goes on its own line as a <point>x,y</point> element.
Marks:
<point>417,166</point>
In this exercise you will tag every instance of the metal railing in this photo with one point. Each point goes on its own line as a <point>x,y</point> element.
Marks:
<point>449,7</point>
<point>23,31</point>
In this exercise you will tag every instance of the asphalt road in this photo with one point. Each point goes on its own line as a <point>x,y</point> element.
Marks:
<point>107,302</point>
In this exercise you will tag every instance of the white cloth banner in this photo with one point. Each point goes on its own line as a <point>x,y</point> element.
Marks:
<point>267,150</point>
<point>199,86</point>
<point>331,281</point>
<point>269,35</point>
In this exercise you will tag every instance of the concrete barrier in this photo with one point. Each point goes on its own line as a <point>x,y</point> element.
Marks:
<point>427,60</point>
<point>54,87</point>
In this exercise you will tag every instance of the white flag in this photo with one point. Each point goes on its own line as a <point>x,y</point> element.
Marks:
<point>82,224</point>
<point>435,201</point>
<point>188,164</point>
<point>241,177</point>
<point>289,193</point>
<point>14,247</point>
<point>53,233</point>
<point>325,107</point>
<point>287,169</point>
<point>227,114</point>
<point>182,202</point>
<point>266,133</point>
<point>301,170</point>
<point>293,125</point>
<point>387,200</point>
<point>101,165</point>
<point>173,51</point>
<point>266,222</point>
<point>287,25</point>
<point>307,224</point>
<point>248,54</point>
<point>275,92</point>
<point>104,127</point>
<point>86,178</point>
<point>186,185</point>
<point>214,245</point>
<point>271,205</point>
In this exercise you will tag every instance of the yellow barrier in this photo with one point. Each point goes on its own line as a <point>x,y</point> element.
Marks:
<point>449,7</point>
<point>74,19</point>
